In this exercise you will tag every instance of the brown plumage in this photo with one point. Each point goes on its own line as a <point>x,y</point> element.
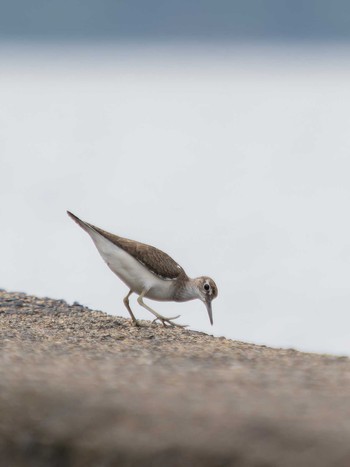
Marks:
<point>158,262</point>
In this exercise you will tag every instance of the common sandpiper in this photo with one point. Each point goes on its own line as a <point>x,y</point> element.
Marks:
<point>149,273</point>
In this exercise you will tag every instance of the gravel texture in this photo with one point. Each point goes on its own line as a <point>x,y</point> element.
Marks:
<point>80,388</point>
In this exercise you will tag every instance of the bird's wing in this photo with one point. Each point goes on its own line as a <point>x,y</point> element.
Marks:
<point>155,260</point>
<point>158,262</point>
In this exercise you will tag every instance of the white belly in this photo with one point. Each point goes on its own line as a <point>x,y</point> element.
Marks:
<point>136,276</point>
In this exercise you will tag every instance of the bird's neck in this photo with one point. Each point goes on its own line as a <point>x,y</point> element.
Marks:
<point>186,290</point>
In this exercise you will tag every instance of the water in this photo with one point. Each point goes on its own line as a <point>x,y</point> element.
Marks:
<point>235,161</point>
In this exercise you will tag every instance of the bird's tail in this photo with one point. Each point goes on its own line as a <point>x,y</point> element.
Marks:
<point>84,225</point>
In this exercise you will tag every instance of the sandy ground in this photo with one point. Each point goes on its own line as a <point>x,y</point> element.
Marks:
<point>80,388</point>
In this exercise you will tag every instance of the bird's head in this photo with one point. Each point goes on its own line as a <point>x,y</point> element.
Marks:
<point>207,291</point>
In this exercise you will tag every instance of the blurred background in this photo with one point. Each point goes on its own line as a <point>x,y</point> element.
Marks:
<point>216,131</point>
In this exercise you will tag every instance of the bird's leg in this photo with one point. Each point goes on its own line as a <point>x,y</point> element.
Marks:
<point>126,303</point>
<point>159,317</point>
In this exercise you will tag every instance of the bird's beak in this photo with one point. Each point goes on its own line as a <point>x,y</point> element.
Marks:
<point>210,313</point>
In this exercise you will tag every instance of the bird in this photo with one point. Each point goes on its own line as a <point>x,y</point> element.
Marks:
<point>150,273</point>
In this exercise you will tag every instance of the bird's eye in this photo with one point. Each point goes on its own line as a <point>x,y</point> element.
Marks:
<point>206,286</point>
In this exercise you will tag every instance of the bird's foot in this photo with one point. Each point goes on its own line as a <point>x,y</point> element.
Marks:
<point>169,321</point>
<point>138,324</point>
<point>159,317</point>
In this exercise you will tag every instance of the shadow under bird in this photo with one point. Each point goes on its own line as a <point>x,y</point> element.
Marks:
<point>149,272</point>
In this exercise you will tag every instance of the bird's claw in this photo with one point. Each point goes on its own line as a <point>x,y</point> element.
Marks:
<point>169,321</point>
<point>137,324</point>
